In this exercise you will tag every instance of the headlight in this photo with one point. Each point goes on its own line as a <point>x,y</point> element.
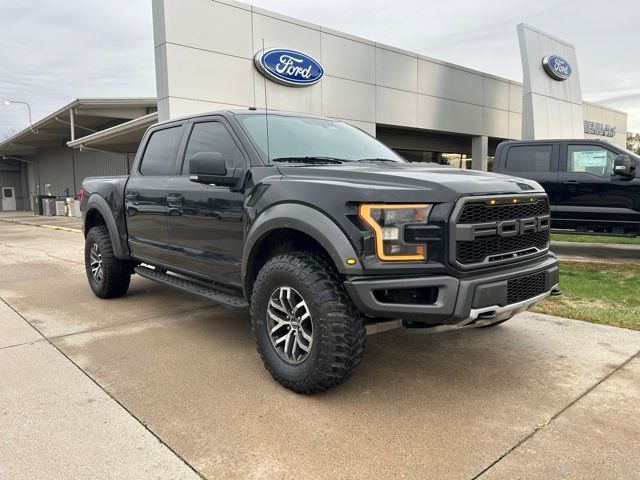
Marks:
<point>387,221</point>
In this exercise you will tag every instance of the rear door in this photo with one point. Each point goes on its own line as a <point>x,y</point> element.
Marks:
<point>206,221</point>
<point>535,161</point>
<point>146,193</point>
<point>591,191</point>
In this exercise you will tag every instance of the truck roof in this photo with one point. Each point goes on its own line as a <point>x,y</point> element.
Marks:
<point>244,111</point>
<point>552,140</point>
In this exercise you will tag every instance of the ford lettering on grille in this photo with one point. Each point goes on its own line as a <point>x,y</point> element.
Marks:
<point>487,231</point>
<point>505,228</point>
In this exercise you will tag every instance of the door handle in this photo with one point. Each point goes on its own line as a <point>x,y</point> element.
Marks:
<point>175,199</point>
<point>571,182</point>
<point>132,196</point>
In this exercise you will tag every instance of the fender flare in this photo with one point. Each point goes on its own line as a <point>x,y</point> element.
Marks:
<point>96,202</point>
<point>307,220</point>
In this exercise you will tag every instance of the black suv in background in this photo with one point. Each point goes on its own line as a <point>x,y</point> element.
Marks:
<point>593,186</point>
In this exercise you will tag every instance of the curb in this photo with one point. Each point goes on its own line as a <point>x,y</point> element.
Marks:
<point>608,252</point>
<point>51,227</point>
<point>66,229</point>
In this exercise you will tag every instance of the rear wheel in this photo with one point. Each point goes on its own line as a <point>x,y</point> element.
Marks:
<point>308,333</point>
<point>108,276</point>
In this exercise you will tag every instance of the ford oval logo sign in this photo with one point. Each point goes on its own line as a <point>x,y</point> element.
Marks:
<point>556,67</point>
<point>289,67</point>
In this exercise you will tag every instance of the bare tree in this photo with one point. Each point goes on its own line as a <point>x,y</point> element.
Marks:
<point>633,142</point>
<point>7,133</point>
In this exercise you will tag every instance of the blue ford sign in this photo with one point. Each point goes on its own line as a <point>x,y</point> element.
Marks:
<point>556,67</point>
<point>289,67</point>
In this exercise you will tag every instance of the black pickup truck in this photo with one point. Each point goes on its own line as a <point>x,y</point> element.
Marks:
<point>321,231</point>
<point>593,186</point>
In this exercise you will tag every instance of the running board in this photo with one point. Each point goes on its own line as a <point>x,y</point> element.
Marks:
<point>195,288</point>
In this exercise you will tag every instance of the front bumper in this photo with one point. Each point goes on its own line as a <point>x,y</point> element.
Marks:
<point>474,300</point>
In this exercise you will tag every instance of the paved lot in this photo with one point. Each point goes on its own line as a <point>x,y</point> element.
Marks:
<point>27,218</point>
<point>538,397</point>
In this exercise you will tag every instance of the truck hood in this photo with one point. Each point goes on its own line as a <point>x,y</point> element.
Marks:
<point>446,181</point>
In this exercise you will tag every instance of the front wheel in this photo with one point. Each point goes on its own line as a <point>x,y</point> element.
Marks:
<point>308,333</point>
<point>108,276</point>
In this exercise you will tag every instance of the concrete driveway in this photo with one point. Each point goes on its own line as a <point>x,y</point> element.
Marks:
<point>538,397</point>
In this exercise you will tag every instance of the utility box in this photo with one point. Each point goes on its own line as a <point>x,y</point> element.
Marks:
<point>37,205</point>
<point>48,206</point>
<point>61,207</point>
<point>70,207</point>
<point>39,202</point>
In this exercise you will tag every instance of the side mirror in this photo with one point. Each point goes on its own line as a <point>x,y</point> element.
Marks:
<point>623,166</point>
<point>209,167</point>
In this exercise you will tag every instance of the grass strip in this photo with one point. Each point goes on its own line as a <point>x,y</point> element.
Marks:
<point>563,237</point>
<point>598,293</point>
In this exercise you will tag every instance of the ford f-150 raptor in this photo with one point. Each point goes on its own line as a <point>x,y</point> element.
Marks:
<point>321,231</point>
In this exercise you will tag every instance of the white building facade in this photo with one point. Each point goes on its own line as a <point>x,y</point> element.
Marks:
<point>205,51</point>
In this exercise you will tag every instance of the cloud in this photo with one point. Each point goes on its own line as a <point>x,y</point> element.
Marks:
<point>54,52</point>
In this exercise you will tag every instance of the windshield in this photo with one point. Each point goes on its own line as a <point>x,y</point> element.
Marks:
<point>307,138</point>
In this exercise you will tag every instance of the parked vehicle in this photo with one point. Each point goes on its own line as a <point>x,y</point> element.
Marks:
<point>593,186</point>
<point>321,231</point>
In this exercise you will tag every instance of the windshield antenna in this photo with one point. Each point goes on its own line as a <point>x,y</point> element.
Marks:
<point>266,109</point>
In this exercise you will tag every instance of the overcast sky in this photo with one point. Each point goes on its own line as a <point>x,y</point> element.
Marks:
<point>52,52</point>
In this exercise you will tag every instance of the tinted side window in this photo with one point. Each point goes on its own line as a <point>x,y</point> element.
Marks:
<point>159,156</point>
<point>529,158</point>
<point>590,159</point>
<point>212,137</point>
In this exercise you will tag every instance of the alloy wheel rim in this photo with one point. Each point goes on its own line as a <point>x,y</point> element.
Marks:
<point>290,325</point>
<point>95,258</point>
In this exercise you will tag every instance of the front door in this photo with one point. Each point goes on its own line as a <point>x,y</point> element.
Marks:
<point>8,198</point>
<point>592,192</point>
<point>146,196</point>
<point>206,221</point>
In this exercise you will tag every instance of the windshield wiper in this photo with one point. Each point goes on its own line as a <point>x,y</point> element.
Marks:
<point>376,160</point>
<point>308,160</point>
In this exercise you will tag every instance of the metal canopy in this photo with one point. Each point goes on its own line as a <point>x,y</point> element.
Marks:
<point>122,138</point>
<point>79,118</point>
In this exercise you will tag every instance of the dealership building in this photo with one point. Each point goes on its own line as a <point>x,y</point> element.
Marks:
<point>210,55</point>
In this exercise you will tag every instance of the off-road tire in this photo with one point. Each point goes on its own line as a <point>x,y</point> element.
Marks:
<point>339,332</point>
<point>116,274</point>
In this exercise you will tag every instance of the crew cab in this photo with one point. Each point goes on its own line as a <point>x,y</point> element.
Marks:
<point>593,186</point>
<point>321,231</point>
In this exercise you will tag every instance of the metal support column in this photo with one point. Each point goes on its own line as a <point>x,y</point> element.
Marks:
<point>72,124</point>
<point>479,152</point>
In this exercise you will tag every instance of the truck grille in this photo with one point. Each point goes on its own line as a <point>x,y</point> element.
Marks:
<point>477,250</point>
<point>480,212</point>
<point>485,234</point>
<point>524,288</point>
